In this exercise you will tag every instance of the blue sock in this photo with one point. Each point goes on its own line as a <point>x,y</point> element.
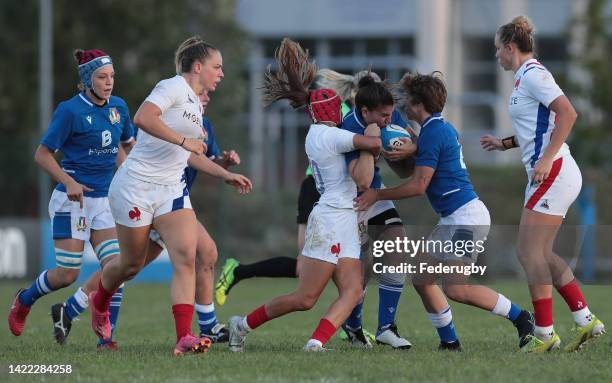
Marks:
<point>76,304</point>
<point>114,308</point>
<point>388,299</point>
<point>354,320</point>
<point>206,317</point>
<point>447,333</point>
<point>39,288</point>
<point>514,313</point>
<point>506,309</point>
<point>443,322</point>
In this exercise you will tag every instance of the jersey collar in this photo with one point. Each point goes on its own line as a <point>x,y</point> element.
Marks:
<point>520,71</point>
<point>87,100</point>
<point>358,118</point>
<point>435,116</point>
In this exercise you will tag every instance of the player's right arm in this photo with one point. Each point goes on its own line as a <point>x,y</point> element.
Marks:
<point>361,169</point>
<point>148,118</point>
<point>59,132</point>
<point>45,159</point>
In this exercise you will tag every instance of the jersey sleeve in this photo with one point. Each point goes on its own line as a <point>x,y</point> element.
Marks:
<point>348,126</point>
<point>59,129</point>
<point>541,85</point>
<point>428,152</point>
<point>164,95</point>
<point>340,141</point>
<point>129,131</point>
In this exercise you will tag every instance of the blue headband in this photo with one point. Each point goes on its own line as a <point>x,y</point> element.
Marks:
<point>87,70</point>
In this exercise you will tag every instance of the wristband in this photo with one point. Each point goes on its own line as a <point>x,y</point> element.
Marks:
<point>182,142</point>
<point>512,140</point>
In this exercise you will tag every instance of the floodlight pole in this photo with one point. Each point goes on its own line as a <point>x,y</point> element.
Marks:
<point>45,98</point>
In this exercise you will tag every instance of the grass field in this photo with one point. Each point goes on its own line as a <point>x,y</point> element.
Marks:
<point>273,353</point>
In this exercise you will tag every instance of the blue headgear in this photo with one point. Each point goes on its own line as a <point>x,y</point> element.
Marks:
<point>89,62</point>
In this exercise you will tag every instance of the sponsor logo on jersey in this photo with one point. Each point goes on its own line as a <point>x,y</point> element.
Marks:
<point>107,138</point>
<point>544,204</point>
<point>190,100</point>
<point>89,119</point>
<point>134,214</point>
<point>114,116</point>
<point>193,117</point>
<point>517,83</point>
<point>99,152</point>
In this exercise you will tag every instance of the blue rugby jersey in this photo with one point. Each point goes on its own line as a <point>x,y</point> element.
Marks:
<point>89,135</point>
<point>439,148</point>
<point>212,152</point>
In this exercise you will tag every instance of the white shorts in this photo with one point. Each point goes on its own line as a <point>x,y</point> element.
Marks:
<point>555,194</point>
<point>68,220</point>
<point>461,235</point>
<point>331,233</point>
<point>135,203</point>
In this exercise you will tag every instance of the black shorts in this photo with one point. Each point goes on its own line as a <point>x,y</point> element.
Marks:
<point>379,223</point>
<point>307,198</point>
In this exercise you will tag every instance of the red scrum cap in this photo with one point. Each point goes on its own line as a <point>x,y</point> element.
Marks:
<point>324,106</point>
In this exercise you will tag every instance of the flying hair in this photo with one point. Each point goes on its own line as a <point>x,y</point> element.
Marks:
<point>294,75</point>
<point>344,84</point>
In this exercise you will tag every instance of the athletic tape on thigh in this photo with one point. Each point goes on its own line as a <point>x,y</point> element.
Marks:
<point>68,259</point>
<point>107,248</point>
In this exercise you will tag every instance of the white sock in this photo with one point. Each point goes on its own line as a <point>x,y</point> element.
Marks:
<point>244,326</point>
<point>582,317</point>
<point>502,307</point>
<point>81,297</point>
<point>442,319</point>
<point>544,333</point>
<point>205,308</point>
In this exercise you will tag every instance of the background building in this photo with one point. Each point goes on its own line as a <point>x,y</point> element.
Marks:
<point>395,36</point>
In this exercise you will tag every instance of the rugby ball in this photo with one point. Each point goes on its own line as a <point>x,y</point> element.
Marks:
<point>390,136</point>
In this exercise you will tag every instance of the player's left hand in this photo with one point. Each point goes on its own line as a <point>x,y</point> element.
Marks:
<point>242,184</point>
<point>406,150</point>
<point>542,170</point>
<point>231,158</point>
<point>365,200</point>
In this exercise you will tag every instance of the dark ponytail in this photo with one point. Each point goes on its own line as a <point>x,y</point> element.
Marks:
<point>372,94</point>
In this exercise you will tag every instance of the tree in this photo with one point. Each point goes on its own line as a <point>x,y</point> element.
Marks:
<point>141,37</point>
<point>591,85</point>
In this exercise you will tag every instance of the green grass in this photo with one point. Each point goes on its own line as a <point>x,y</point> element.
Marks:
<point>273,352</point>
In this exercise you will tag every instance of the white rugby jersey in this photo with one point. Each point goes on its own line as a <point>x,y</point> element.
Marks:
<point>158,161</point>
<point>533,122</point>
<point>325,147</point>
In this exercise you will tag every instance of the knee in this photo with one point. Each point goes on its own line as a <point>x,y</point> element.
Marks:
<point>67,276</point>
<point>131,269</point>
<point>456,293</point>
<point>521,254</point>
<point>183,256</point>
<point>305,301</point>
<point>206,257</point>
